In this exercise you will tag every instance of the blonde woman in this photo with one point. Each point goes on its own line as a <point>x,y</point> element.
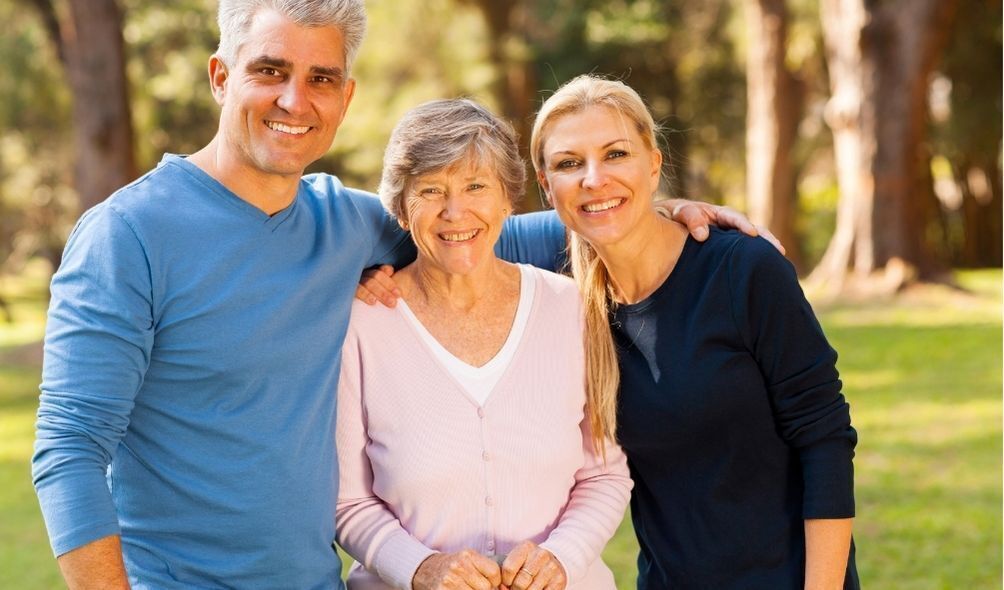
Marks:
<point>729,407</point>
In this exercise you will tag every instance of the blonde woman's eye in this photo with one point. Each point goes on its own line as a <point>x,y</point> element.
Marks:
<point>566,164</point>
<point>617,154</point>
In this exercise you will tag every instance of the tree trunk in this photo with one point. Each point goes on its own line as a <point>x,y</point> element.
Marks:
<point>880,56</point>
<point>982,213</point>
<point>773,110</point>
<point>89,41</point>
<point>516,85</point>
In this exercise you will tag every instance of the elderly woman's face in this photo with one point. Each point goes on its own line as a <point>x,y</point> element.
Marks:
<point>455,216</point>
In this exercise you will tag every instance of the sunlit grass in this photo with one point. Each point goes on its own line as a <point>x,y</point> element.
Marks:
<point>923,376</point>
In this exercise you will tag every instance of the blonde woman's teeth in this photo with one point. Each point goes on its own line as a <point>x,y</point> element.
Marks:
<point>602,206</point>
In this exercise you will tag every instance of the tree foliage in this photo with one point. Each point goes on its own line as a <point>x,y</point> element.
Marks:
<point>688,60</point>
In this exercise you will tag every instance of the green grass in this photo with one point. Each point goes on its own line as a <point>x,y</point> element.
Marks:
<point>923,376</point>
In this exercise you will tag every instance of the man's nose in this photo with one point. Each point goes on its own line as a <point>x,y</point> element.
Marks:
<point>293,98</point>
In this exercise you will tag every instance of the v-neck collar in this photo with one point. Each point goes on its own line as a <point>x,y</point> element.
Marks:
<point>269,222</point>
<point>426,340</point>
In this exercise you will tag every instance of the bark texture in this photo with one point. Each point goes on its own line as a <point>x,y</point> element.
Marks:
<point>880,57</point>
<point>88,39</point>
<point>774,107</point>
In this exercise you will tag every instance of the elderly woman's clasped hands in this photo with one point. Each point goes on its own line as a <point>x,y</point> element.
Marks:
<point>527,567</point>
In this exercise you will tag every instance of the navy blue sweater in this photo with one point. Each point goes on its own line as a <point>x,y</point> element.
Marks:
<point>732,419</point>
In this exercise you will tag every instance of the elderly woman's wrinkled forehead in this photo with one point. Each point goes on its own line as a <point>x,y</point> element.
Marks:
<point>476,160</point>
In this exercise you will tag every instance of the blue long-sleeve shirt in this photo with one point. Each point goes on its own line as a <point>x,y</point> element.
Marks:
<point>733,421</point>
<point>191,360</point>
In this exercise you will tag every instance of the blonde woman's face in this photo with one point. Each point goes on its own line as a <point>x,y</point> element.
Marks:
<point>599,174</point>
<point>456,215</point>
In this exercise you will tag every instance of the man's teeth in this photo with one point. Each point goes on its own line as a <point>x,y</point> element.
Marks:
<point>458,236</point>
<point>596,207</point>
<point>287,128</point>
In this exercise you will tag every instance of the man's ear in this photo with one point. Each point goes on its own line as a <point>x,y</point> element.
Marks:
<point>218,75</point>
<point>350,91</point>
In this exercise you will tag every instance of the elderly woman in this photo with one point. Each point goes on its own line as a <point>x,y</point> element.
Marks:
<point>730,408</point>
<point>464,435</point>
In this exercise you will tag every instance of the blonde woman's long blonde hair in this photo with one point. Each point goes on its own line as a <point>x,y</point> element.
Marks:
<point>588,270</point>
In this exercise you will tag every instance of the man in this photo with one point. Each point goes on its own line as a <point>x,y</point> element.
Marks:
<point>185,428</point>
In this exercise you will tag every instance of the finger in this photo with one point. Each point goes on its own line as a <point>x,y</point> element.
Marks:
<point>523,579</point>
<point>552,575</point>
<point>767,235</point>
<point>379,284</point>
<point>537,560</point>
<point>728,217</point>
<point>514,561</point>
<point>365,295</point>
<point>476,581</point>
<point>487,569</point>
<point>694,218</point>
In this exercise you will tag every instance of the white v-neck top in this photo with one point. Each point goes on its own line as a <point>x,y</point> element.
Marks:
<point>480,381</point>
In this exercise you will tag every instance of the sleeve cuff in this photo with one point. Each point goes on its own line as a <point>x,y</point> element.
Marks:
<point>828,474</point>
<point>398,559</point>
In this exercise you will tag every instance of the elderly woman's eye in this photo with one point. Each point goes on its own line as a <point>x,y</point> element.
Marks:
<point>474,186</point>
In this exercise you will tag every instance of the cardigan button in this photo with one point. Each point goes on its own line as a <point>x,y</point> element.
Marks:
<point>481,412</point>
<point>489,501</point>
<point>486,456</point>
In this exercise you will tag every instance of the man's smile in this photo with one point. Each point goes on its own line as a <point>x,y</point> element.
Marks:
<point>289,129</point>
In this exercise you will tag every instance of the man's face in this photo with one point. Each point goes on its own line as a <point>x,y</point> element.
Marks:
<point>283,99</point>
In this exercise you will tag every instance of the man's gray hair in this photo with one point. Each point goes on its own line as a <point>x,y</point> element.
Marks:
<point>440,134</point>
<point>234,18</point>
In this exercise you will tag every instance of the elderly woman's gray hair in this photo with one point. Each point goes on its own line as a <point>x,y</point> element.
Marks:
<point>234,18</point>
<point>440,134</point>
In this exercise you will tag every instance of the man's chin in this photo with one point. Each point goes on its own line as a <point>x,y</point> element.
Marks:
<point>280,167</point>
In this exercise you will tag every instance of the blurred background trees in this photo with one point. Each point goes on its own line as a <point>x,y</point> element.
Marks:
<point>866,134</point>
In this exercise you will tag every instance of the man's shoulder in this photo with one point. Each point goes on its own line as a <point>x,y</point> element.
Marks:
<point>154,191</point>
<point>323,186</point>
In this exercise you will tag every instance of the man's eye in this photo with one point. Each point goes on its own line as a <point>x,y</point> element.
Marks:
<point>269,71</point>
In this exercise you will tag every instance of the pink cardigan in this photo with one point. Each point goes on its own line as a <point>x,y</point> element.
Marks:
<point>423,468</point>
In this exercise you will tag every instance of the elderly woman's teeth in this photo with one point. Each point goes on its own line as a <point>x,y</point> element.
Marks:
<point>458,236</point>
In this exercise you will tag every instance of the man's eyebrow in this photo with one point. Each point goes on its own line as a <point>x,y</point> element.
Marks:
<point>284,64</point>
<point>267,60</point>
<point>330,71</point>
